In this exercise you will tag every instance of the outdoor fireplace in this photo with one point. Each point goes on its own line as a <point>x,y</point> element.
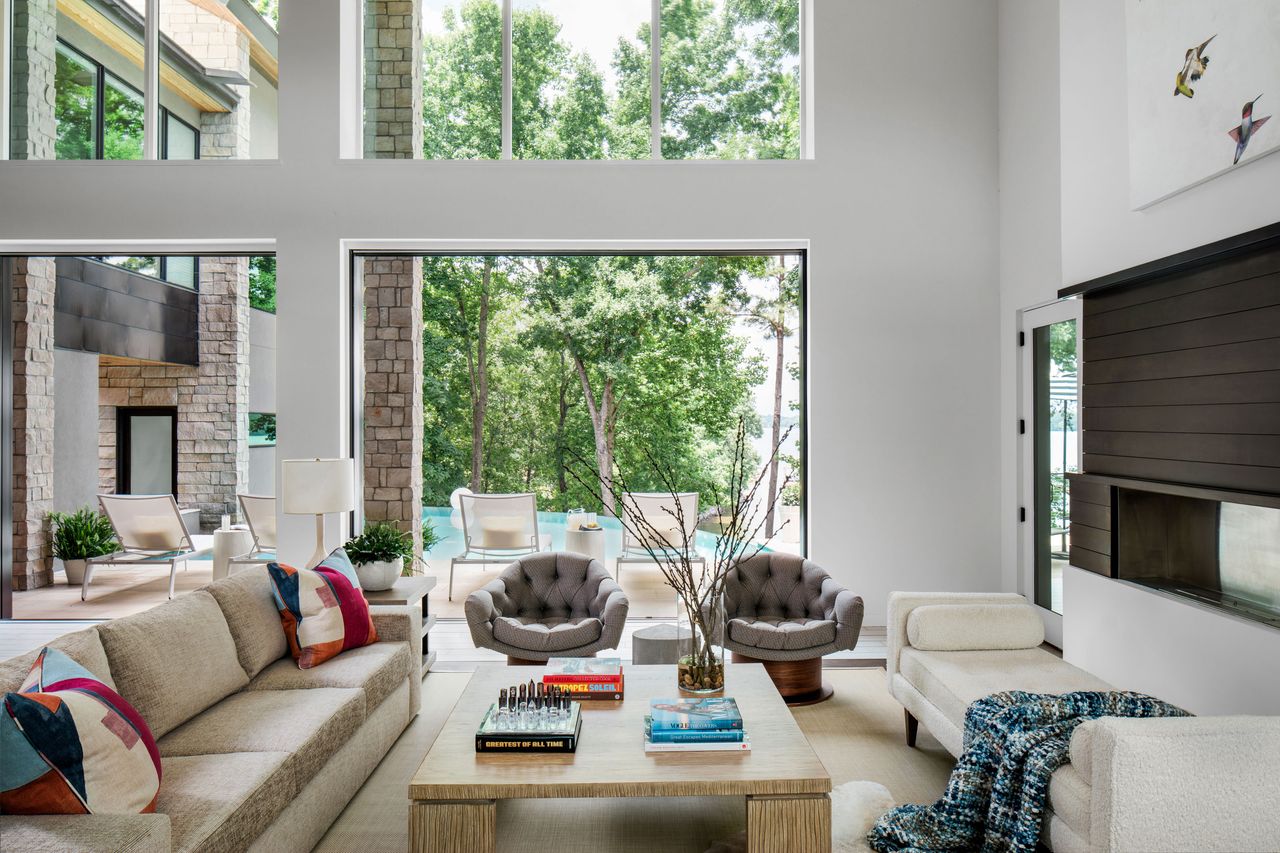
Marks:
<point>1218,552</point>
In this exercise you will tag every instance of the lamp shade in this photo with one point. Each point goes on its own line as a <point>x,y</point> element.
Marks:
<point>318,486</point>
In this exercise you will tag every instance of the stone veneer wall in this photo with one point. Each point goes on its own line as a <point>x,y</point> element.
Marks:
<point>393,79</point>
<point>214,37</point>
<point>212,399</point>
<point>393,393</point>
<point>33,291</point>
<point>33,129</point>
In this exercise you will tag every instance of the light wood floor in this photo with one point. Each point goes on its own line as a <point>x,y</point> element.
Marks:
<point>857,734</point>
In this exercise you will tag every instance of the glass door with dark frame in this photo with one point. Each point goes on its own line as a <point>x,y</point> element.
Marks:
<point>148,451</point>
<point>1050,429</point>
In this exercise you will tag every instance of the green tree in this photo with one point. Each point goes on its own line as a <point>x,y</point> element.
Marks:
<point>269,10</point>
<point>462,85</point>
<point>262,283</point>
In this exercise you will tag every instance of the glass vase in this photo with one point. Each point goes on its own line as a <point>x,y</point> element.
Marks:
<point>700,663</point>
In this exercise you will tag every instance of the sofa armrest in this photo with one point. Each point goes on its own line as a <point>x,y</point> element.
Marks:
<point>613,617</point>
<point>88,833</point>
<point>902,603</point>
<point>1185,783</point>
<point>403,624</point>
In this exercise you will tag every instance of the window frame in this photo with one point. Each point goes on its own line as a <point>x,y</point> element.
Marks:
<point>507,9</point>
<point>100,106</point>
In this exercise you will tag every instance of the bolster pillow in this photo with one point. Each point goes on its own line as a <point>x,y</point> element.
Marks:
<point>974,627</point>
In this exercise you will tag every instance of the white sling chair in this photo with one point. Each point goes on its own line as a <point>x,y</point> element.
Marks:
<point>150,531</point>
<point>498,529</point>
<point>259,513</point>
<point>660,513</point>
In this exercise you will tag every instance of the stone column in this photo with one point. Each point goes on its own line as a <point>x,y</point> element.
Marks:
<point>33,129</point>
<point>213,426</point>
<point>33,291</point>
<point>393,79</point>
<point>393,393</point>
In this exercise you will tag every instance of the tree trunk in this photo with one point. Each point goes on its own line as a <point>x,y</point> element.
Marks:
<point>780,341</point>
<point>480,379</point>
<point>602,419</point>
<point>563,415</point>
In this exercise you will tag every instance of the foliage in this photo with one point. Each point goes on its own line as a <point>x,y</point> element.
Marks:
<point>269,10</point>
<point>1062,346</point>
<point>262,283</point>
<point>430,538</point>
<point>82,534</point>
<point>263,424</point>
<point>381,542</point>
<point>76,110</point>
<point>730,85</point>
<point>646,343</point>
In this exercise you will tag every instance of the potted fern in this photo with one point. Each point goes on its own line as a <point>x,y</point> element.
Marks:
<point>380,554</point>
<point>80,536</point>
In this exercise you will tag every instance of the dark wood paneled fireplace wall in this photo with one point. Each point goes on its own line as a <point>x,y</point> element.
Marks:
<point>1180,417</point>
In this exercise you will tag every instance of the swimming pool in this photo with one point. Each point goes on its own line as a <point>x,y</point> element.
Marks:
<point>452,544</point>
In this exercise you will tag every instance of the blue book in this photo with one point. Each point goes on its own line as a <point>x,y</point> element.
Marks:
<point>694,735</point>
<point>694,714</point>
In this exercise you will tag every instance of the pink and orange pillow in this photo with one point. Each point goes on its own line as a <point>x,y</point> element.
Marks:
<point>323,611</point>
<point>70,745</point>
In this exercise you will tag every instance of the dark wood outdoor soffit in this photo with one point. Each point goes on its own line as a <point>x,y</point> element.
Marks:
<point>1250,241</point>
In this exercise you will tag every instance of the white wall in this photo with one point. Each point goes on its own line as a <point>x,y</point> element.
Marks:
<point>1194,657</point>
<point>75,430</point>
<point>262,361</point>
<point>264,117</point>
<point>900,210</point>
<point>1100,234</point>
<point>1030,218</point>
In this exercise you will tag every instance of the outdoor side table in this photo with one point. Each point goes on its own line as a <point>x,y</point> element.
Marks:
<point>589,542</point>
<point>227,545</point>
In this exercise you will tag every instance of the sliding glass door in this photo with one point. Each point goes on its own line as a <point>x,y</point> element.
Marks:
<point>1049,427</point>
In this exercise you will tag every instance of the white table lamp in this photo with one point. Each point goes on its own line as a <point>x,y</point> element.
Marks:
<point>317,487</point>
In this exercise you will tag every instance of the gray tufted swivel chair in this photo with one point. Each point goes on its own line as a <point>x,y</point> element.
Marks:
<point>555,604</point>
<point>786,612</point>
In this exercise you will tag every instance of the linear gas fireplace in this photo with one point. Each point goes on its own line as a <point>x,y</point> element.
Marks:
<point>1220,553</point>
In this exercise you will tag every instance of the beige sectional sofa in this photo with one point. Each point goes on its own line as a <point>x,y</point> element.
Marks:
<point>256,753</point>
<point>1160,784</point>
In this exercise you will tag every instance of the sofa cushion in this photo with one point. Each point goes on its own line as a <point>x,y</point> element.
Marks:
<point>223,802</point>
<point>310,725</point>
<point>782,634</point>
<point>1069,798</point>
<point>83,647</point>
<point>1081,748</point>
<point>251,614</point>
<point>72,746</point>
<point>173,661</point>
<point>974,627</point>
<point>377,669</point>
<point>951,680</point>
<point>547,635</point>
<point>323,611</point>
<point>107,833</point>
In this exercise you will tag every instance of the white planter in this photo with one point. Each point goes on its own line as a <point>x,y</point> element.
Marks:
<point>74,570</point>
<point>791,518</point>
<point>381,575</point>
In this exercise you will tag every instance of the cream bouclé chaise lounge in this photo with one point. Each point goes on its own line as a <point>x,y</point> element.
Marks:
<point>256,754</point>
<point>1158,784</point>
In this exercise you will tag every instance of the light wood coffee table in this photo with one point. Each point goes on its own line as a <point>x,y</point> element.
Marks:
<point>454,795</point>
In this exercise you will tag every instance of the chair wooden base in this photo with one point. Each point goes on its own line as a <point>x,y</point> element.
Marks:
<point>799,681</point>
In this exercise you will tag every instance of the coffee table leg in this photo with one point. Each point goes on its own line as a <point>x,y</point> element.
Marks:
<point>784,824</point>
<point>469,826</point>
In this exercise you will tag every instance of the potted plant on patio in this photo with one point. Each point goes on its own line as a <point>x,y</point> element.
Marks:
<point>80,536</point>
<point>698,583</point>
<point>380,554</point>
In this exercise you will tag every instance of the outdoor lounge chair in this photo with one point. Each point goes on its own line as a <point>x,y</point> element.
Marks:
<point>498,529</point>
<point>659,516</point>
<point>150,531</point>
<point>259,513</point>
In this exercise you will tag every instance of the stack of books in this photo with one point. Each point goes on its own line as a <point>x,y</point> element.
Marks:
<point>585,679</point>
<point>695,725</point>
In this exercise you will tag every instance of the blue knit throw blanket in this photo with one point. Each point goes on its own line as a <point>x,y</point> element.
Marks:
<point>995,798</point>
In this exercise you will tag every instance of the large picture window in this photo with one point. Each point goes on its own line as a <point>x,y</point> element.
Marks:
<point>574,80</point>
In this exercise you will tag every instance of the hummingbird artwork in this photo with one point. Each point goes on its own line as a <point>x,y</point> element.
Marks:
<point>1247,128</point>
<point>1193,68</point>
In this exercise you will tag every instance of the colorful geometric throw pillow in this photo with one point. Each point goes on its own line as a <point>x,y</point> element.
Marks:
<point>70,745</point>
<point>322,609</point>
